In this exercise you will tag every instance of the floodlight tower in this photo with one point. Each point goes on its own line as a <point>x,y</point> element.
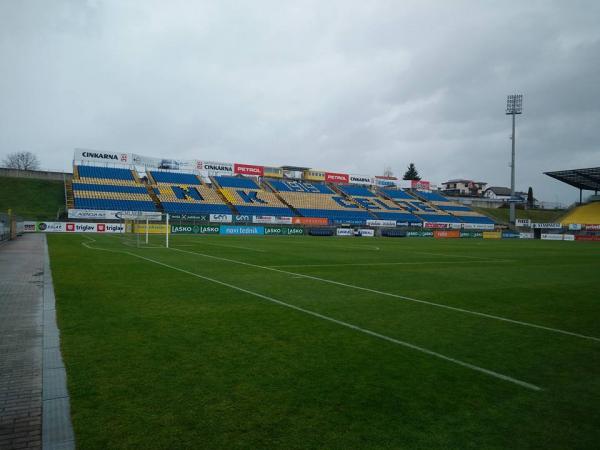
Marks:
<point>514,106</point>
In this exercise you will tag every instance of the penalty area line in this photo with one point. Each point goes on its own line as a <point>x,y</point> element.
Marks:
<point>426,351</point>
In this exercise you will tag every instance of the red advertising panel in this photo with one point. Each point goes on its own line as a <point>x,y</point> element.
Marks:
<point>310,221</point>
<point>592,227</point>
<point>587,238</point>
<point>247,169</point>
<point>337,177</point>
<point>420,184</point>
<point>445,234</point>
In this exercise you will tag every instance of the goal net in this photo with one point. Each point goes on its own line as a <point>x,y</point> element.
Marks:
<point>144,229</point>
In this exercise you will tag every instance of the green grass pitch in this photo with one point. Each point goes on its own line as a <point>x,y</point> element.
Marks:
<point>338,343</point>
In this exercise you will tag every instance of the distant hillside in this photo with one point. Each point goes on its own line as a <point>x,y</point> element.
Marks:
<point>536,215</point>
<point>30,198</point>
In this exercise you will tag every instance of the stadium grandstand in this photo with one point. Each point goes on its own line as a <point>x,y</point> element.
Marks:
<point>195,187</point>
<point>587,179</point>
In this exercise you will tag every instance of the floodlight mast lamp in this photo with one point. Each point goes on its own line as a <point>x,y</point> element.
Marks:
<point>514,106</point>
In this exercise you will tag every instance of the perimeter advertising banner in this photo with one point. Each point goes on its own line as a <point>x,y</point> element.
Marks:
<point>241,230</point>
<point>216,168</point>
<point>72,227</point>
<point>221,218</point>
<point>344,232</point>
<point>110,215</point>
<point>420,185</point>
<point>523,223</point>
<point>446,234</point>
<point>442,225</point>
<point>247,169</point>
<point>547,226</point>
<point>492,235</point>
<point>471,234</point>
<point>284,231</point>
<point>272,220</point>
<point>381,223</point>
<point>478,226</point>
<point>337,177</point>
<point>366,232</point>
<point>361,179</point>
<point>100,156</point>
<point>309,221</point>
<point>419,233</point>
<point>195,229</point>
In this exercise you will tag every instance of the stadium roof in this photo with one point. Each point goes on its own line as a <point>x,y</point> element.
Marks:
<point>586,179</point>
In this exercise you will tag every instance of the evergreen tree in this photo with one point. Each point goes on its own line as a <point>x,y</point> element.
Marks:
<point>530,197</point>
<point>411,173</point>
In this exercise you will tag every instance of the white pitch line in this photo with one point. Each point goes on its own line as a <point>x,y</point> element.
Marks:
<point>351,326</point>
<point>419,263</point>
<point>389,294</point>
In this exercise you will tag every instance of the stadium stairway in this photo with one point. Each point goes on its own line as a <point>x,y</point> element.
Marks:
<point>217,187</point>
<point>69,197</point>
<point>154,197</point>
<point>267,186</point>
<point>335,188</point>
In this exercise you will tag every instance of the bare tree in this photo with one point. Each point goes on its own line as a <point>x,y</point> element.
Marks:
<point>21,161</point>
<point>388,172</point>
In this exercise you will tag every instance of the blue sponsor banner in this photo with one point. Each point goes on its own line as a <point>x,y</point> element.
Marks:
<point>510,235</point>
<point>234,229</point>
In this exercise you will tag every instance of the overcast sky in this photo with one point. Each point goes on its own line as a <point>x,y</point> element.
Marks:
<point>347,86</point>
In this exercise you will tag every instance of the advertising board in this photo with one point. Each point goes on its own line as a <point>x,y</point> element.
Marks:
<point>365,232</point>
<point>272,220</point>
<point>216,168</point>
<point>526,223</point>
<point>248,169</point>
<point>99,214</point>
<point>284,231</point>
<point>587,238</point>
<point>525,235</point>
<point>337,177</point>
<point>195,229</point>
<point>446,234</point>
<point>242,230</point>
<point>361,179</point>
<point>552,237</point>
<point>221,218</point>
<point>592,227</point>
<point>575,227</point>
<point>309,221</point>
<point>471,234</point>
<point>547,226</point>
<point>510,235</point>
<point>153,228</point>
<point>478,226</point>
<point>492,235</point>
<point>419,233</point>
<point>29,226</point>
<point>420,184</point>
<point>82,154</point>
<point>381,223</point>
<point>344,232</point>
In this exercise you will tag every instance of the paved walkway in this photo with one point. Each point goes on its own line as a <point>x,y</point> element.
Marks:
<point>33,396</point>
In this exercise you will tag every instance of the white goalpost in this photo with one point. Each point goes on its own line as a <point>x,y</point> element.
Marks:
<point>144,229</point>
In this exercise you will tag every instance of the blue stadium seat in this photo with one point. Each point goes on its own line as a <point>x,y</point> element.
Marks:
<point>397,194</point>
<point>432,196</point>
<point>355,190</point>
<point>300,186</point>
<point>112,204</point>
<point>398,217</point>
<point>439,218</point>
<point>175,177</point>
<point>105,172</point>
<point>264,211</point>
<point>108,188</point>
<point>236,182</point>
